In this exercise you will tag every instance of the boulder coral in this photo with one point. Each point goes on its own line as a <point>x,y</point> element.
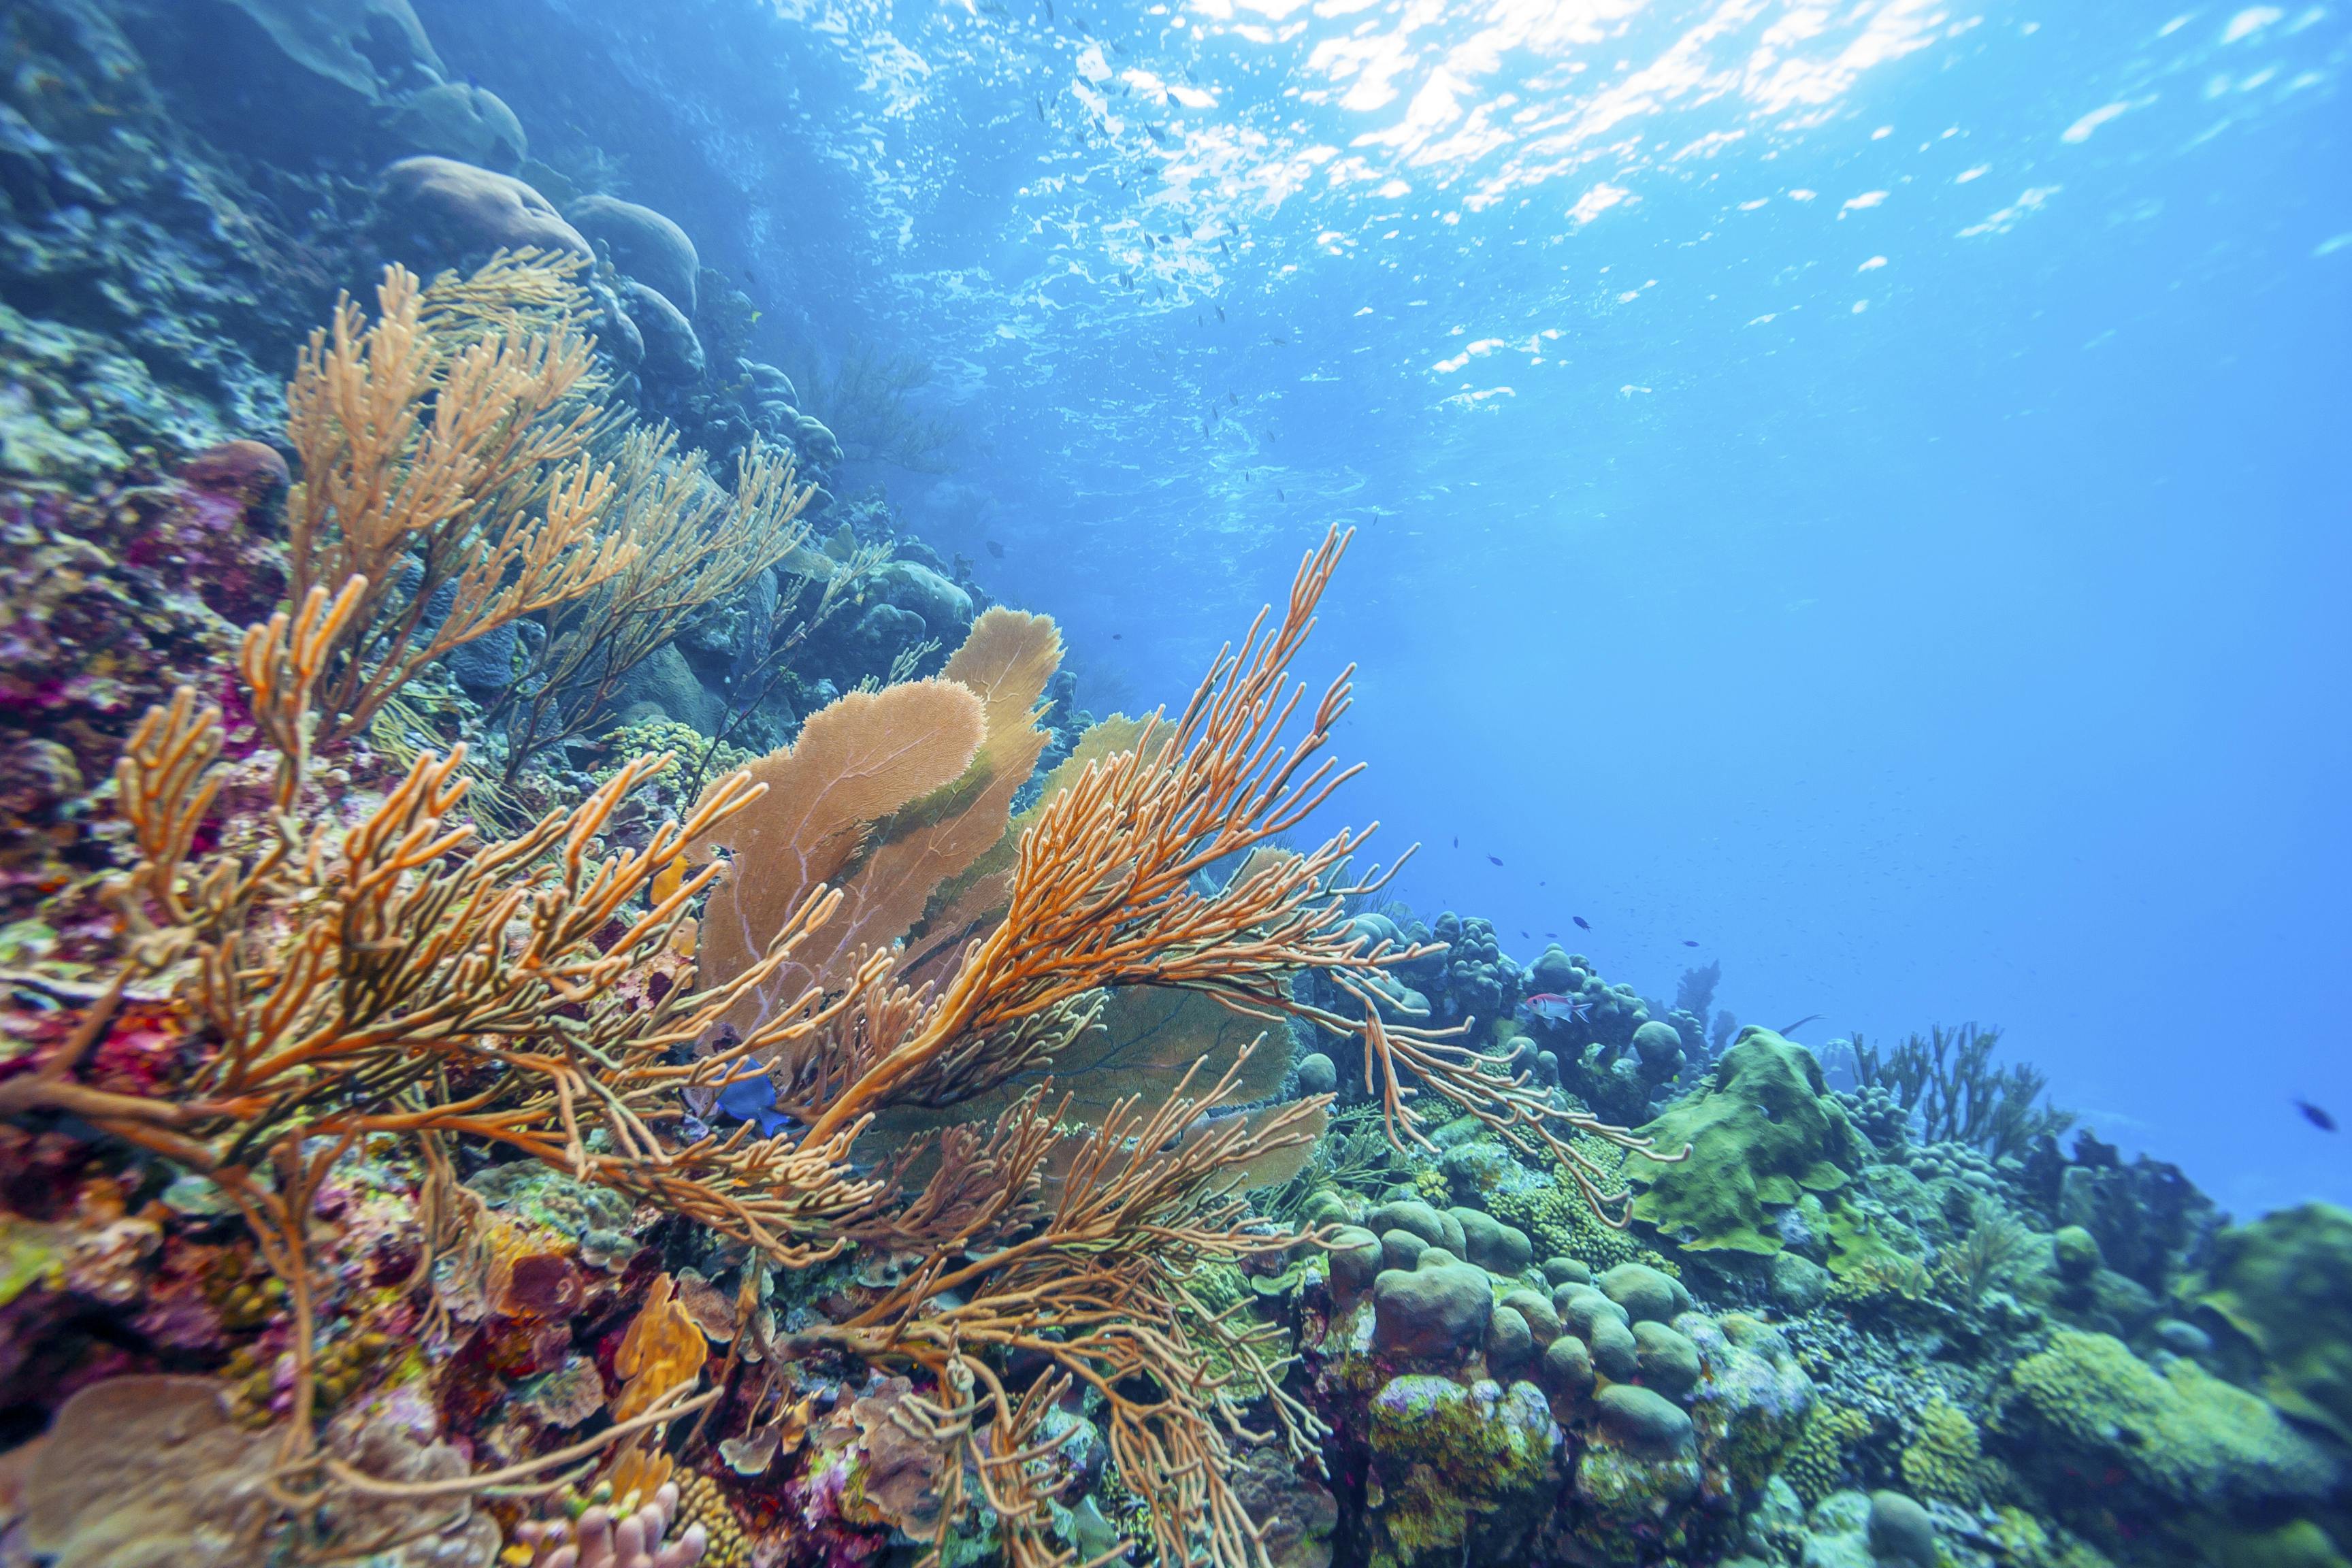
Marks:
<point>457,119</point>
<point>439,212</point>
<point>1461,1473</point>
<point>644,244</point>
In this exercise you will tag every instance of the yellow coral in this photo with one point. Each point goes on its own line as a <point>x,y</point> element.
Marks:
<point>1883,1279</point>
<point>700,1502</point>
<point>1564,1226</point>
<point>2028,1542</point>
<point>1947,1461</point>
<point>1816,1463</point>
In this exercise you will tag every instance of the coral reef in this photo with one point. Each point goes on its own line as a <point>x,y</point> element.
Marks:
<point>576,995</point>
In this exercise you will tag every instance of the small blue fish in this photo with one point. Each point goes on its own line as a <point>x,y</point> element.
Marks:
<point>1497,859</point>
<point>753,1099</point>
<point>1581,923</point>
<point>1554,1008</point>
<point>1687,942</point>
<point>2317,1117</point>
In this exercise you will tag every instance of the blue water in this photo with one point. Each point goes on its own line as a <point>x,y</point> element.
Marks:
<point>1862,489</point>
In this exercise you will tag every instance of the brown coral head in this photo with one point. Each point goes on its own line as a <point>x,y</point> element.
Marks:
<point>902,1471</point>
<point>537,1286</point>
<point>247,473</point>
<point>135,1463</point>
<point>712,1310</point>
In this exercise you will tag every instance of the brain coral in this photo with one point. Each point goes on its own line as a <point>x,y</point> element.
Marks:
<point>1767,1132</point>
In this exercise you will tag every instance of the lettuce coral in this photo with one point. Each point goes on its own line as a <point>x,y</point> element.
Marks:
<point>1767,1132</point>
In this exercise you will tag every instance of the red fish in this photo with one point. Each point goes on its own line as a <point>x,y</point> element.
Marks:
<point>1554,1008</point>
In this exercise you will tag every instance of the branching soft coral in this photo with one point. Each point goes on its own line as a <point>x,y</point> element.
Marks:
<point>1102,1289</point>
<point>687,545</point>
<point>400,977</point>
<point>445,472</point>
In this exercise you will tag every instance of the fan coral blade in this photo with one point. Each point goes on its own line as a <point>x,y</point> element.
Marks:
<point>1006,664</point>
<point>856,762</point>
<point>1007,658</point>
<point>1275,1165</point>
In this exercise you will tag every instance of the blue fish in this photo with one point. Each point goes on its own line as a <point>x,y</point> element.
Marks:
<point>2316,1116</point>
<point>753,1099</point>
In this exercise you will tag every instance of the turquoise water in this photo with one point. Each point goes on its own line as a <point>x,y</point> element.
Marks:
<point>1858,488</point>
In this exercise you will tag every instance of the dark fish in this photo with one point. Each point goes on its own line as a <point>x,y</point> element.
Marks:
<point>1458,843</point>
<point>1041,106</point>
<point>1800,1022</point>
<point>1687,942</point>
<point>1581,923</point>
<point>996,550</point>
<point>1119,637</point>
<point>1127,279</point>
<point>1497,859</point>
<point>1278,495</point>
<point>2317,1117</point>
<point>1221,312</point>
<point>1551,933</point>
<point>1223,246</point>
<point>1523,933</point>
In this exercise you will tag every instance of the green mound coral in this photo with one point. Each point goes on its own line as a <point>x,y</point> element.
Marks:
<point>1766,1134</point>
<point>2300,1544</point>
<point>2285,1283</point>
<point>1460,1473</point>
<point>2180,1434</point>
<point>1816,1463</point>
